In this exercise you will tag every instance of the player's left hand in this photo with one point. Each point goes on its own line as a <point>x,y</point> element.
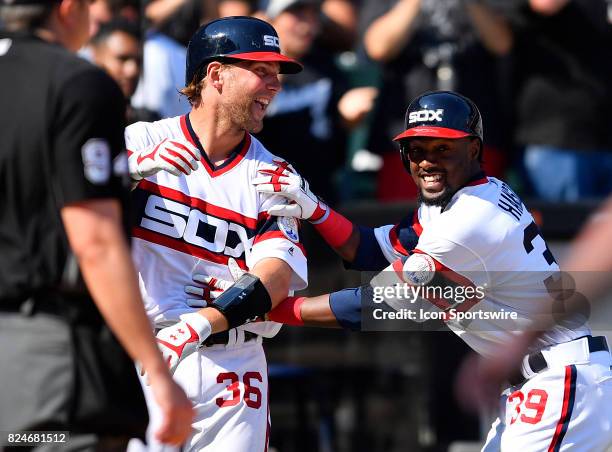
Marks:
<point>283,180</point>
<point>208,287</point>
<point>180,340</point>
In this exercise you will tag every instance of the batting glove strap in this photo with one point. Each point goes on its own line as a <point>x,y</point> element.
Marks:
<point>320,214</point>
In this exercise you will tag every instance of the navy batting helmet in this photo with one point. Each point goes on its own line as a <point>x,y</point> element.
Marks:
<point>441,114</point>
<point>236,38</point>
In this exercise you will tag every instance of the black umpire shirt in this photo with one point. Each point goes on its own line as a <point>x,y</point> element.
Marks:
<point>61,141</point>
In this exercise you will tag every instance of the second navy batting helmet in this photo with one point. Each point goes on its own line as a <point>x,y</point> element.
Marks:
<point>441,114</point>
<point>236,38</point>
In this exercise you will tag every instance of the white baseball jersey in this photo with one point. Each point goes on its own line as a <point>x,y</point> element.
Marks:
<point>193,224</point>
<point>185,225</point>
<point>485,237</point>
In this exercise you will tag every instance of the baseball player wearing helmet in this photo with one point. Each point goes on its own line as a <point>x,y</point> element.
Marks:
<point>196,213</point>
<point>468,230</point>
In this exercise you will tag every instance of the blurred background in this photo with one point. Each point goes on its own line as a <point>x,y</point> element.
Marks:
<point>540,72</point>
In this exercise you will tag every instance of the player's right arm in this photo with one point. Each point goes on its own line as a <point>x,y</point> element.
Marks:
<point>338,231</point>
<point>87,175</point>
<point>362,248</point>
<point>94,231</point>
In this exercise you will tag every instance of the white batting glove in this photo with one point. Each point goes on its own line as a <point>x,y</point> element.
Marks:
<point>180,340</point>
<point>175,156</point>
<point>211,287</point>
<point>283,180</point>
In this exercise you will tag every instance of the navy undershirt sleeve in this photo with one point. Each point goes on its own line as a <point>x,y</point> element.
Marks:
<point>369,256</point>
<point>346,306</point>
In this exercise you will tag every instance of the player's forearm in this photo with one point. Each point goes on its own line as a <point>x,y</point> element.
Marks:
<point>97,240</point>
<point>341,309</point>
<point>305,311</point>
<point>388,34</point>
<point>275,276</point>
<point>339,233</point>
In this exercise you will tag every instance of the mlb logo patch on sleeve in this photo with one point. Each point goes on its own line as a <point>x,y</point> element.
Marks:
<point>96,160</point>
<point>289,227</point>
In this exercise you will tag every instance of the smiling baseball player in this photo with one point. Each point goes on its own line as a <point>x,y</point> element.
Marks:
<point>197,213</point>
<point>468,231</point>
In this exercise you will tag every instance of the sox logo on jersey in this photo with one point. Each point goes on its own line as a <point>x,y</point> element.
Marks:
<point>180,221</point>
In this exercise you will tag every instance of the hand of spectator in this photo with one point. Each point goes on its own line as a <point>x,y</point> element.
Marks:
<point>177,411</point>
<point>175,156</point>
<point>547,7</point>
<point>356,103</point>
<point>159,10</point>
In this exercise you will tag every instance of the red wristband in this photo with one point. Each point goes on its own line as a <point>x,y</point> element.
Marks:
<point>288,311</point>
<point>335,229</point>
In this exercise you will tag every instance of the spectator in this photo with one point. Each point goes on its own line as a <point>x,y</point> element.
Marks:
<point>338,22</point>
<point>102,11</point>
<point>303,123</point>
<point>164,51</point>
<point>178,19</point>
<point>162,77</point>
<point>116,49</point>
<point>433,44</point>
<point>564,98</point>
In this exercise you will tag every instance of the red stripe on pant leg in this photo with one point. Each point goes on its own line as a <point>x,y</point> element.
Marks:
<point>268,426</point>
<point>566,410</point>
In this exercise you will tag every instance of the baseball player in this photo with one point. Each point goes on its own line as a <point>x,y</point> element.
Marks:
<point>196,212</point>
<point>469,230</point>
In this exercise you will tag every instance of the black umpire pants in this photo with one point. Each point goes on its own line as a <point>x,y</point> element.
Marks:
<point>61,374</point>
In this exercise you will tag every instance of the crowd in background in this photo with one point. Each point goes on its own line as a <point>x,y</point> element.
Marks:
<point>540,71</point>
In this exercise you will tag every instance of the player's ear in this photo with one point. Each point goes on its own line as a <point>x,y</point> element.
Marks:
<point>474,148</point>
<point>213,74</point>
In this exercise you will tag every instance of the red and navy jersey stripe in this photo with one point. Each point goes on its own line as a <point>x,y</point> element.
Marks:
<point>404,236</point>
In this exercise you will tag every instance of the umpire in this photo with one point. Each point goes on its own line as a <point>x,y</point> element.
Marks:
<point>62,246</point>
